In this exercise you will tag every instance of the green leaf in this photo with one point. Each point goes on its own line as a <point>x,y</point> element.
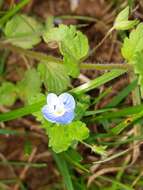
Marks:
<point>132,50</point>
<point>76,44</point>
<point>82,105</point>
<point>33,100</point>
<point>123,15</point>
<point>54,76</point>
<point>133,43</point>
<point>122,22</point>
<point>138,68</point>
<point>101,150</point>
<point>126,25</point>
<point>72,43</point>
<point>71,65</point>
<point>8,94</point>
<point>74,48</point>
<point>61,137</point>
<point>56,34</point>
<point>29,85</point>
<point>23,31</point>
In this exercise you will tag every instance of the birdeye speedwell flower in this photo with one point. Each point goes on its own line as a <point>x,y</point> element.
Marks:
<point>59,109</point>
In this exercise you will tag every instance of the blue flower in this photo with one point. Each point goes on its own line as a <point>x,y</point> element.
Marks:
<point>59,109</point>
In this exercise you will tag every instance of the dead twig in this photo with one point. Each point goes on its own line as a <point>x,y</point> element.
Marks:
<point>24,171</point>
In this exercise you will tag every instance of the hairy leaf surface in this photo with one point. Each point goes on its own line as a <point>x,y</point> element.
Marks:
<point>62,136</point>
<point>72,43</point>
<point>54,76</point>
<point>23,31</point>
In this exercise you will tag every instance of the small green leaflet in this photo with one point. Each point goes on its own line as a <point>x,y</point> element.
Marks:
<point>57,34</point>
<point>29,85</point>
<point>101,150</point>
<point>138,67</point>
<point>73,46</point>
<point>33,100</point>
<point>132,51</point>
<point>133,43</point>
<point>122,22</point>
<point>61,137</point>
<point>8,94</point>
<point>54,76</point>
<point>82,105</point>
<point>23,31</point>
<point>123,15</point>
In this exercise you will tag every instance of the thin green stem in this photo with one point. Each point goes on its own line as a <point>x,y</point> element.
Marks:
<point>84,18</point>
<point>31,54</point>
<point>105,66</point>
<point>42,56</point>
<point>21,164</point>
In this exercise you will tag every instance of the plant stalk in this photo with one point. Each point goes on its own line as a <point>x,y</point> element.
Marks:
<point>106,66</point>
<point>42,56</point>
<point>29,53</point>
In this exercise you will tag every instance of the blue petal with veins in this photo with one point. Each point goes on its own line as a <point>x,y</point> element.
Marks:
<point>59,109</point>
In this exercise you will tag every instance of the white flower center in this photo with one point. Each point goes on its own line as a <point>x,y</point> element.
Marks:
<point>59,110</point>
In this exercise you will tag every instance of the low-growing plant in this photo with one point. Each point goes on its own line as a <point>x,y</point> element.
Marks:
<point>64,111</point>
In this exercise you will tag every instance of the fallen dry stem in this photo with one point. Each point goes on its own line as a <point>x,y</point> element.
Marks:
<point>24,171</point>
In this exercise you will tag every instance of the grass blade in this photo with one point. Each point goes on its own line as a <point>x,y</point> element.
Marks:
<point>120,185</point>
<point>121,95</point>
<point>9,132</point>
<point>121,126</point>
<point>118,113</point>
<point>98,81</point>
<point>81,89</point>
<point>21,164</point>
<point>21,112</point>
<point>13,11</point>
<point>63,168</point>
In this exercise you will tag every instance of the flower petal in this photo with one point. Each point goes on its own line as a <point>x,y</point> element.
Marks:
<point>52,98</point>
<point>52,101</point>
<point>68,101</point>
<point>48,115</point>
<point>66,118</point>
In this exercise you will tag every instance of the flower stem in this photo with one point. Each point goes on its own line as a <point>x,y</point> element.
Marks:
<point>42,56</point>
<point>29,53</point>
<point>98,66</point>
